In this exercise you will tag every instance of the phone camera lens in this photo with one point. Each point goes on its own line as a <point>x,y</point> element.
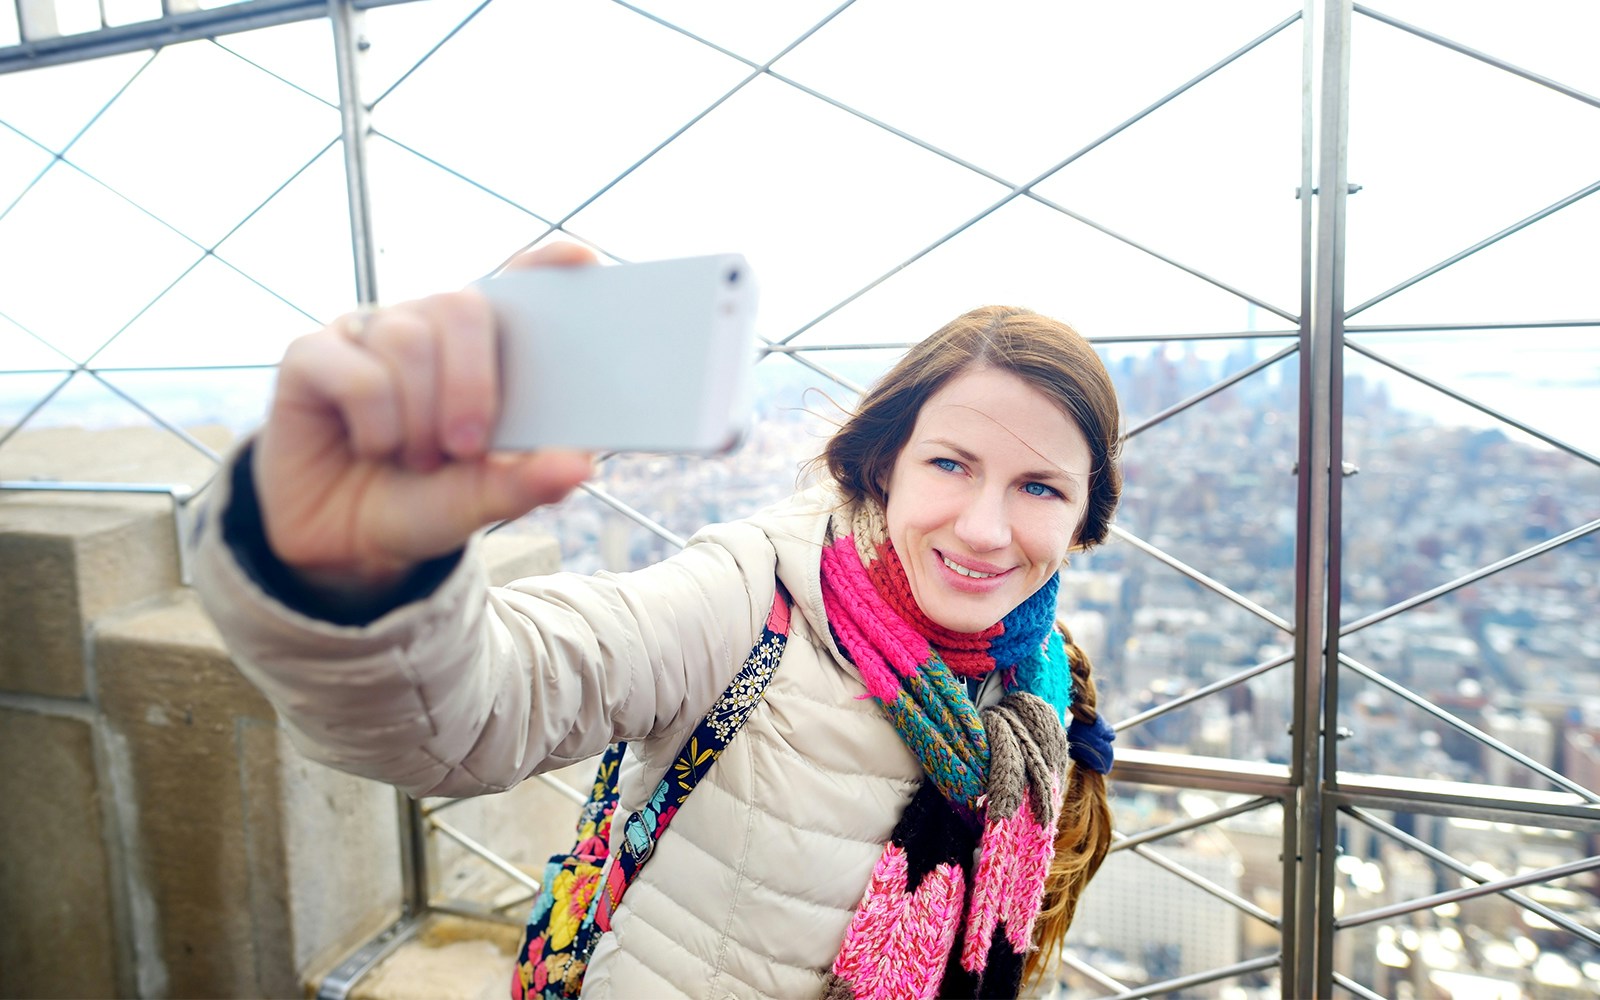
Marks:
<point>733,276</point>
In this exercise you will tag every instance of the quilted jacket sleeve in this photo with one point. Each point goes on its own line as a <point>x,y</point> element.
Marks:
<point>473,688</point>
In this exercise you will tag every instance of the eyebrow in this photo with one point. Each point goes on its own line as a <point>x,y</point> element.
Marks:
<point>1040,474</point>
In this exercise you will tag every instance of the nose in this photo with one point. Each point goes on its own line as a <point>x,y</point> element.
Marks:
<point>984,523</point>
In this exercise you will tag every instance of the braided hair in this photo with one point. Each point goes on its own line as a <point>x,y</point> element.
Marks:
<point>1083,834</point>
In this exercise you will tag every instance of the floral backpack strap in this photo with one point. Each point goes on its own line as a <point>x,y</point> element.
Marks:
<point>644,827</point>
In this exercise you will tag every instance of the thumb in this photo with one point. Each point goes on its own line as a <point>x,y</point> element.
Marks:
<point>511,484</point>
<point>557,254</point>
<point>441,509</point>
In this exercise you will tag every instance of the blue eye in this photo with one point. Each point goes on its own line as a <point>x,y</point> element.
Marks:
<point>1040,490</point>
<point>947,464</point>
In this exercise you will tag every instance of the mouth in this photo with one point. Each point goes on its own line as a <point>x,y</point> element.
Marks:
<point>968,571</point>
<point>964,571</point>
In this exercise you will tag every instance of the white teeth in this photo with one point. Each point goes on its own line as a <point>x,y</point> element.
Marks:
<point>967,572</point>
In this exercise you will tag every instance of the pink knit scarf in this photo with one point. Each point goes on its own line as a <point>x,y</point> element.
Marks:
<point>934,922</point>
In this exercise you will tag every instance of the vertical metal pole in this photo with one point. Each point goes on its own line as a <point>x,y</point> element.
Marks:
<point>1292,822</point>
<point>348,45</point>
<point>413,857</point>
<point>1321,345</point>
<point>1336,188</point>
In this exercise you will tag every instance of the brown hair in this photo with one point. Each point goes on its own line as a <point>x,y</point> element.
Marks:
<point>1058,361</point>
<point>1046,353</point>
<point>1083,834</point>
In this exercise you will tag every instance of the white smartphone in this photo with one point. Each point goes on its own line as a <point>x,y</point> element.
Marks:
<point>652,357</point>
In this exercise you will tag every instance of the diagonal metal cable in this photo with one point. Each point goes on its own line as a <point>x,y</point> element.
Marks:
<point>766,345</point>
<point>465,179</point>
<point>206,252</point>
<point>432,50</point>
<point>663,144</point>
<point>1209,391</point>
<point>59,156</point>
<point>243,367</point>
<point>1182,983</point>
<point>1199,881</point>
<point>1344,981</point>
<point>800,357</point>
<point>1203,692</point>
<point>841,380</point>
<point>499,863</point>
<point>1550,874</point>
<point>35,335</point>
<point>1515,559</point>
<point>1024,189</point>
<point>1163,258</point>
<point>1018,190</point>
<point>235,53</point>
<point>1157,833</point>
<point>1509,68</point>
<point>180,433</point>
<point>1089,972</point>
<point>44,401</point>
<point>560,225</point>
<point>633,515</point>
<point>1487,241</point>
<point>1485,408</point>
<point>1434,854</point>
<point>1406,694</point>
<point>1200,578</point>
<point>1467,50</point>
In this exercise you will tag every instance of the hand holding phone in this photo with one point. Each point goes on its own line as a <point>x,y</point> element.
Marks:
<point>376,454</point>
<point>654,356</point>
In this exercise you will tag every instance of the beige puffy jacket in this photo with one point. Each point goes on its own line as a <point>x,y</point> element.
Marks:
<point>473,689</point>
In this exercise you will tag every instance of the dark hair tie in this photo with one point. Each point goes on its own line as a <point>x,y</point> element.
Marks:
<point>1090,744</point>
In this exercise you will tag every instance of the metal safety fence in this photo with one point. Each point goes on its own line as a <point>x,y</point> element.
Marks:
<point>1297,929</point>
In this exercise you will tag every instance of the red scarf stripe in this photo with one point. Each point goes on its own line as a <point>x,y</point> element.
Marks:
<point>966,653</point>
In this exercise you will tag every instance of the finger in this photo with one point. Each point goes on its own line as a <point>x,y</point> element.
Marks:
<point>515,484</point>
<point>326,371</point>
<point>405,339</point>
<point>557,254</point>
<point>466,377</point>
<point>461,497</point>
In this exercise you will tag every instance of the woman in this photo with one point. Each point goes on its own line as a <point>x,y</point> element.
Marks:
<point>868,832</point>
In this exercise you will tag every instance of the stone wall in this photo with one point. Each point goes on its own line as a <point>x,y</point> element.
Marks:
<point>160,836</point>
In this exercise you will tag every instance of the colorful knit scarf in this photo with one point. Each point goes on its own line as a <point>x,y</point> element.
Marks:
<point>934,922</point>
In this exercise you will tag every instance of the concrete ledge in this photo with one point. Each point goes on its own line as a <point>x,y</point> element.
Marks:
<point>67,563</point>
<point>510,554</point>
<point>200,746</point>
<point>55,872</point>
<point>159,826</point>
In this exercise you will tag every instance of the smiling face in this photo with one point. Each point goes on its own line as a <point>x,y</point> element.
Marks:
<point>986,497</point>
